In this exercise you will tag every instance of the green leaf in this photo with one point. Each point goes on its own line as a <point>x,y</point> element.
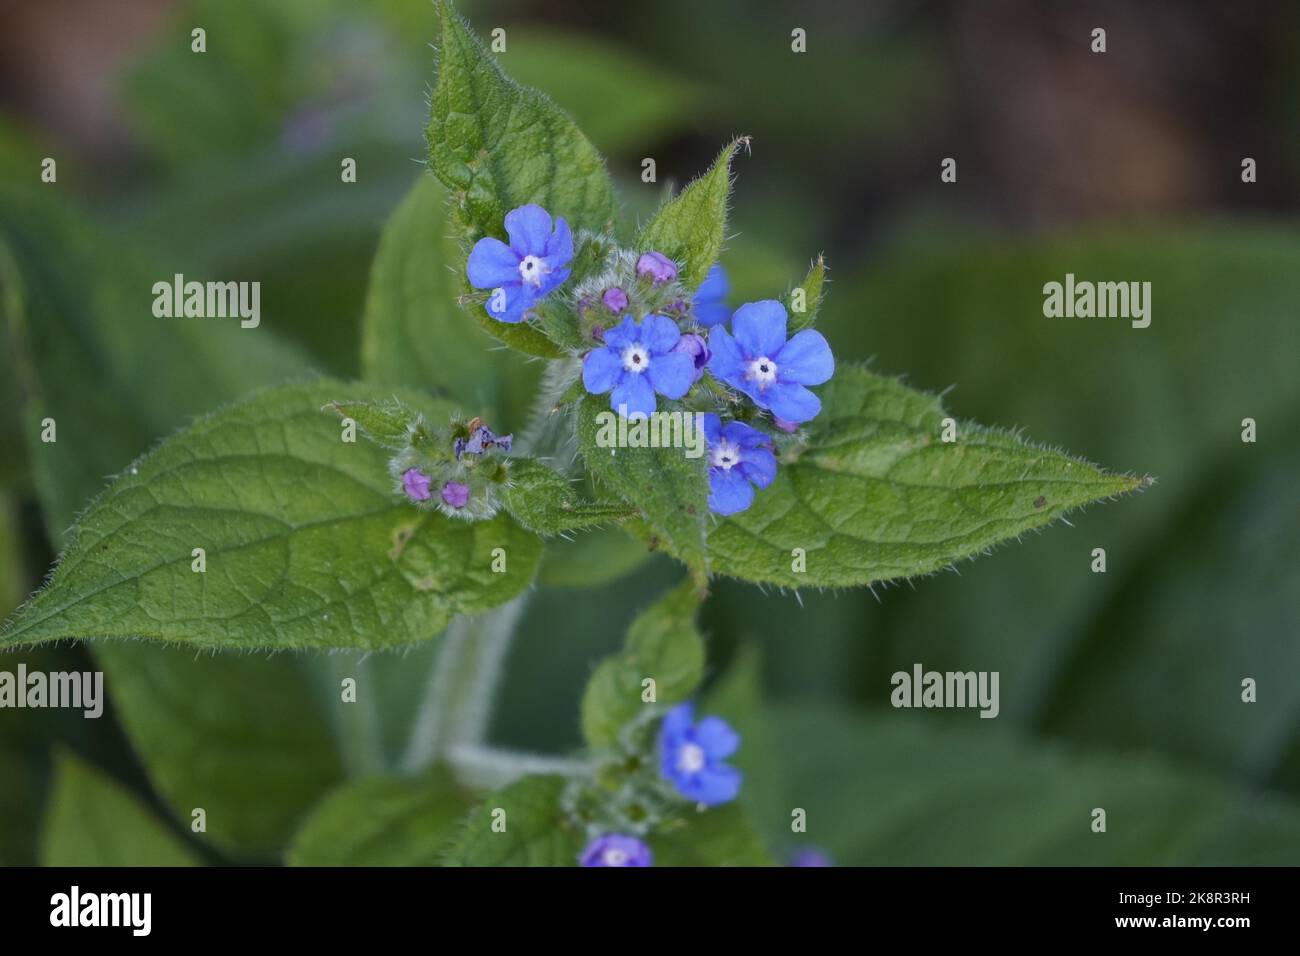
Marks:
<point>544,501</point>
<point>415,333</point>
<point>722,836</point>
<point>663,644</point>
<point>388,424</point>
<point>94,821</point>
<point>922,791</point>
<point>670,489</point>
<point>537,830</point>
<point>383,821</point>
<point>813,291</point>
<point>691,227</point>
<point>498,145</point>
<point>307,544</point>
<point>238,735</point>
<point>871,493</point>
<point>591,559</point>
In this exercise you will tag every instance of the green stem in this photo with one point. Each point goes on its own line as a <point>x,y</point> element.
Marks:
<point>360,743</point>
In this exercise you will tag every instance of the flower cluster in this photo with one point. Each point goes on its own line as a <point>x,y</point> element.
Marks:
<point>456,471</point>
<point>652,338</point>
<point>690,761</point>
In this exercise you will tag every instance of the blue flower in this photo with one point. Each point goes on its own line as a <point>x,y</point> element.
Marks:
<point>810,856</point>
<point>691,756</point>
<point>761,363</point>
<point>636,362</point>
<point>740,457</point>
<point>535,263</point>
<point>614,849</point>
<point>710,298</point>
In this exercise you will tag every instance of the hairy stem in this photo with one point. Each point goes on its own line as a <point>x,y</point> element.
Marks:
<point>457,704</point>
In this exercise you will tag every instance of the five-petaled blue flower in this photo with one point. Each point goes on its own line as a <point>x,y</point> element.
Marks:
<point>636,362</point>
<point>740,457</point>
<point>614,849</point>
<point>535,263</point>
<point>691,756</point>
<point>710,299</point>
<point>756,359</point>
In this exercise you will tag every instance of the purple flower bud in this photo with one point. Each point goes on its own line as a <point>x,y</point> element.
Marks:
<point>416,484</point>
<point>656,267</point>
<point>694,346</point>
<point>615,300</point>
<point>614,849</point>
<point>598,333</point>
<point>788,427</point>
<point>455,494</point>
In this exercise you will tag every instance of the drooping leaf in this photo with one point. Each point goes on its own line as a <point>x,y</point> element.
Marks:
<point>531,828</point>
<point>872,492</point>
<point>663,645</point>
<point>544,501</point>
<point>691,227</point>
<point>93,821</point>
<point>498,145</point>
<point>306,543</point>
<point>239,736</point>
<point>670,489</point>
<point>383,821</point>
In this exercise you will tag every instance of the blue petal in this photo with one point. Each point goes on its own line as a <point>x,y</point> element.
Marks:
<point>759,466</point>
<point>715,286</point>
<point>759,327</point>
<point>745,436</point>
<point>726,362</point>
<point>676,723</point>
<point>518,301</point>
<point>623,334</point>
<point>709,314</point>
<point>634,392</point>
<point>672,374</point>
<point>712,428</point>
<point>717,785</point>
<point>716,737</point>
<point>805,359</point>
<point>659,333</point>
<point>729,492</point>
<point>491,264</point>
<point>792,402</point>
<point>529,228</point>
<point>601,370</point>
<point>559,245</point>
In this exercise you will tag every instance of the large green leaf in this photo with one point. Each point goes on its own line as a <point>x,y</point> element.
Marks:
<point>306,542</point>
<point>93,821</point>
<point>872,493</point>
<point>722,836</point>
<point>498,145</point>
<point>241,737</point>
<point>384,821</point>
<point>919,790</point>
<point>662,644</point>
<point>670,489</point>
<point>531,828</point>
<point>691,227</point>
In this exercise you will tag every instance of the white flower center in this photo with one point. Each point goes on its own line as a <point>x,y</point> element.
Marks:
<point>636,358</point>
<point>763,371</point>
<point>724,455</point>
<point>691,758</point>
<point>532,270</point>
<point>615,857</point>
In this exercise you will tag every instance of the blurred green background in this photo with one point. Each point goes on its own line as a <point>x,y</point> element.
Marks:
<point>1118,690</point>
